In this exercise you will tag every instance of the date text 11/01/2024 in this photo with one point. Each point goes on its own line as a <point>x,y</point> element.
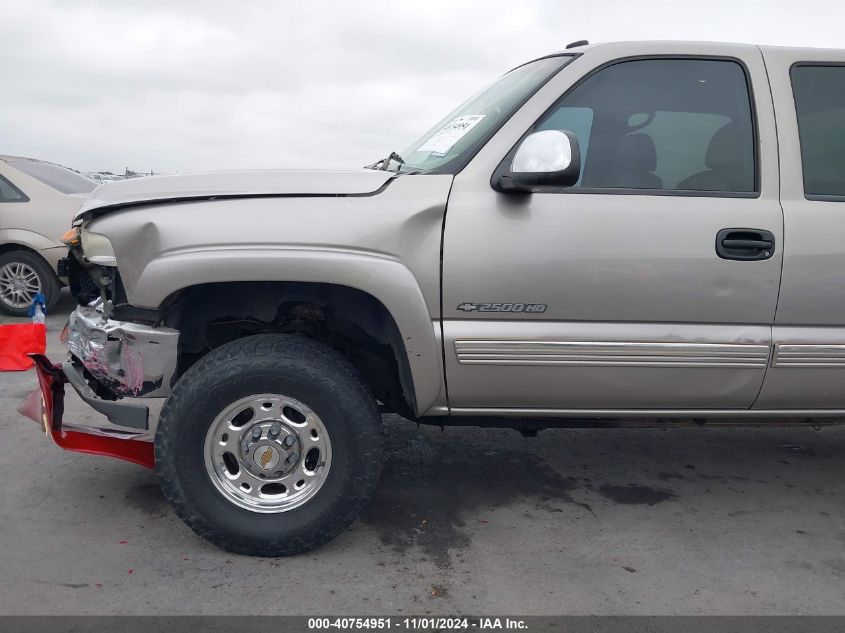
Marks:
<point>417,623</point>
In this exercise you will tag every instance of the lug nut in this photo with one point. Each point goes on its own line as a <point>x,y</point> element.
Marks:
<point>256,433</point>
<point>275,429</point>
<point>245,446</point>
<point>290,440</point>
<point>292,458</point>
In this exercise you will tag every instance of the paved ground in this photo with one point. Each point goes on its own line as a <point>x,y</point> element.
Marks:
<point>681,521</point>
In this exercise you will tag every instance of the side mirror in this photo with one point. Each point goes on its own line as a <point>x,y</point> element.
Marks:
<point>550,158</point>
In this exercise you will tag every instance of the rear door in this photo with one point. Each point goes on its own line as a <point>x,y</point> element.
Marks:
<point>808,363</point>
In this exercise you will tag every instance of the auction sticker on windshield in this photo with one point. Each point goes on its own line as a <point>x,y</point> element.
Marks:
<point>450,134</point>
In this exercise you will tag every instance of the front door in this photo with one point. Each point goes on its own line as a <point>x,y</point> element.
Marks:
<point>648,284</point>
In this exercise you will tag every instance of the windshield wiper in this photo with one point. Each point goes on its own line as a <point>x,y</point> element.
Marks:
<point>384,163</point>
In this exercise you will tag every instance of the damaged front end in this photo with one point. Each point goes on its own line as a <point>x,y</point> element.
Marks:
<point>112,360</point>
<point>46,406</point>
<point>120,351</point>
<point>127,359</point>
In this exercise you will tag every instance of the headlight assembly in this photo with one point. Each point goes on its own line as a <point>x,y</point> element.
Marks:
<point>97,249</point>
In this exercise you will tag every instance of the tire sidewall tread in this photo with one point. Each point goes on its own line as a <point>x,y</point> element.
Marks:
<point>298,367</point>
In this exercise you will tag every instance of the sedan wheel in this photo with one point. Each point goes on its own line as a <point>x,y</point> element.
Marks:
<point>19,284</point>
<point>23,274</point>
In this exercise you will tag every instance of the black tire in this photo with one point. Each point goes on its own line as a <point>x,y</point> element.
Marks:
<point>270,363</point>
<point>49,282</point>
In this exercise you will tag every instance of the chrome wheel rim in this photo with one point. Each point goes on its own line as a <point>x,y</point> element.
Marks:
<point>19,283</point>
<point>268,453</point>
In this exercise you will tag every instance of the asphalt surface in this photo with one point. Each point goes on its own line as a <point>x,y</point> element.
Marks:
<point>596,521</point>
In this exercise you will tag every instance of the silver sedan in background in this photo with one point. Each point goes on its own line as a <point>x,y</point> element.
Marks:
<point>38,199</point>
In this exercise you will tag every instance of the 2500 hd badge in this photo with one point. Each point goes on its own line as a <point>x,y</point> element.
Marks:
<point>535,308</point>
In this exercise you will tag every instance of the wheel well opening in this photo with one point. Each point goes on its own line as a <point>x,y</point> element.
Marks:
<point>13,247</point>
<point>9,247</point>
<point>351,321</point>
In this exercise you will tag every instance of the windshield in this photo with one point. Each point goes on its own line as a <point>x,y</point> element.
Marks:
<point>449,145</point>
<point>59,178</point>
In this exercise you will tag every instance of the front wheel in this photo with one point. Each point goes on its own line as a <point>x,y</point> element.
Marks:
<point>269,446</point>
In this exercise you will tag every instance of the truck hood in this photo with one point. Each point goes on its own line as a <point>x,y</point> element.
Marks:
<point>233,184</point>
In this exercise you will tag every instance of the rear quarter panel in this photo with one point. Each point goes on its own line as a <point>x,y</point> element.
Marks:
<point>40,222</point>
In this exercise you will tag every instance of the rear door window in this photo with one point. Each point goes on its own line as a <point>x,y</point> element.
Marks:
<point>10,193</point>
<point>59,178</point>
<point>820,105</point>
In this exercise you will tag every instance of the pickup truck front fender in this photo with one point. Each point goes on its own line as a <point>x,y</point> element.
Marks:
<point>385,243</point>
<point>383,277</point>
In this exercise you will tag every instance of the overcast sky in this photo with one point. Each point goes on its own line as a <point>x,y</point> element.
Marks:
<point>192,85</point>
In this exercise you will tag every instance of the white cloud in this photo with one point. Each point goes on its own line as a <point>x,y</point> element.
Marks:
<point>193,85</point>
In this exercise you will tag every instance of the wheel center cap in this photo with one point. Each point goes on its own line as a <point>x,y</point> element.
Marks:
<point>266,457</point>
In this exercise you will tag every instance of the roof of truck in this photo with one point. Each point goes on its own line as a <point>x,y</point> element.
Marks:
<point>639,44</point>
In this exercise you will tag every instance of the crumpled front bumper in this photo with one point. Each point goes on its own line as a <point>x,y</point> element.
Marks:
<point>129,359</point>
<point>123,359</point>
<point>46,406</point>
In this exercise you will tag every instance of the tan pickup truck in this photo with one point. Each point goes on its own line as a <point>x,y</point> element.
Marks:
<point>614,231</point>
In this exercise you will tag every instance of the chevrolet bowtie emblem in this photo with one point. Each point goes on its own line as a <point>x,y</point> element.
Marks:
<point>266,456</point>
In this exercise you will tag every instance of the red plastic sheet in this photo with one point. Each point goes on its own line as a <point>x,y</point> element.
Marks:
<point>19,339</point>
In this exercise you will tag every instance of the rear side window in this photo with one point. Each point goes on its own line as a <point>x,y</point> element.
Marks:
<point>10,193</point>
<point>59,178</point>
<point>677,125</point>
<point>820,104</point>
